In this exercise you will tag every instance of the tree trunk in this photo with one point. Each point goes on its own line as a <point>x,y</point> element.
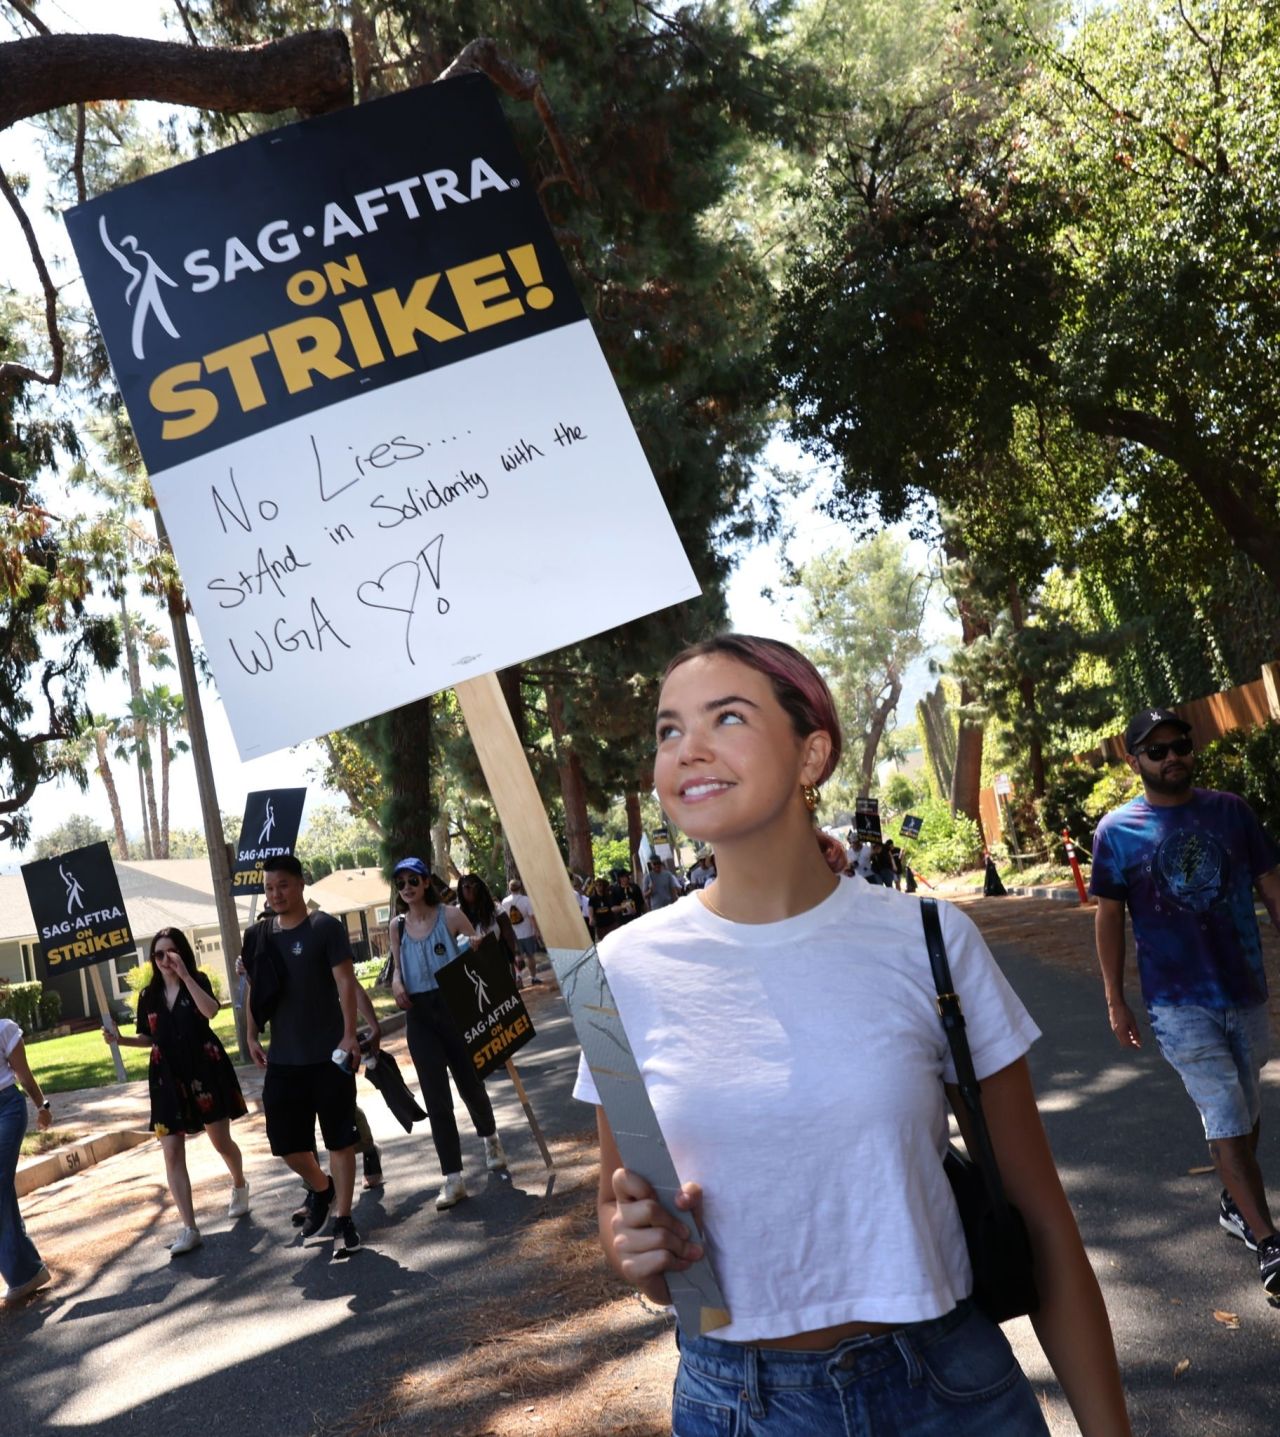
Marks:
<point>966,774</point>
<point>219,848</point>
<point>635,826</point>
<point>939,746</point>
<point>141,738</point>
<point>148,846</point>
<point>880,716</point>
<point>164,789</point>
<point>573,788</point>
<point>441,855</point>
<point>113,796</point>
<point>309,72</point>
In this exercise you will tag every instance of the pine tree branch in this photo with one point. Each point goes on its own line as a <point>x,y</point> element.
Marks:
<point>485,56</point>
<point>309,72</point>
<point>11,370</point>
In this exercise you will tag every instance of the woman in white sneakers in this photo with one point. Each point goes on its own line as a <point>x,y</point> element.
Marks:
<point>423,939</point>
<point>193,1087</point>
<point>785,1027</point>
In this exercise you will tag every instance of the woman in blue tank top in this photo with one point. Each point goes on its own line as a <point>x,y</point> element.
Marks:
<point>423,940</point>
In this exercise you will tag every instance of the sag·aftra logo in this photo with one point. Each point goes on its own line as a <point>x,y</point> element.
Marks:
<point>85,930</point>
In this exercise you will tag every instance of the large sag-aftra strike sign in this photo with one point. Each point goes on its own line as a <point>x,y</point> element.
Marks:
<point>373,411</point>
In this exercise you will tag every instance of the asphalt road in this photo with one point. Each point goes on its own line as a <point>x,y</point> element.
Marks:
<point>1125,1136</point>
<point>259,1333</point>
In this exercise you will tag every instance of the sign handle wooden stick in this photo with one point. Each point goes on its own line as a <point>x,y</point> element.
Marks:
<point>534,1126</point>
<point>694,1293</point>
<point>100,993</point>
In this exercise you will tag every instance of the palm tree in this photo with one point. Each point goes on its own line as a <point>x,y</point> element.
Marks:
<point>73,757</point>
<point>166,714</point>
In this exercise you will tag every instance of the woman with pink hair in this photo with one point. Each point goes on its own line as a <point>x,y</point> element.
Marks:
<point>785,1027</point>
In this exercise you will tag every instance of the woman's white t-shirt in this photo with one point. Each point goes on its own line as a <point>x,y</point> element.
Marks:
<point>796,1072</point>
<point>10,1037</point>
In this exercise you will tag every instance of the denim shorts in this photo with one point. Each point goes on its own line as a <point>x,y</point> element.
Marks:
<point>955,1376</point>
<point>1218,1053</point>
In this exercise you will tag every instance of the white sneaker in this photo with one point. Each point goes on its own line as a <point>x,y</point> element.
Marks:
<point>239,1204</point>
<point>187,1241</point>
<point>454,1191</point>
<point>494,1157</point>
<point>21,1289</point>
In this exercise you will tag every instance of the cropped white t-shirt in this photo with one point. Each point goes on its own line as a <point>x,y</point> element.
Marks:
<point>796,1071</point>
<point>10,1037</point>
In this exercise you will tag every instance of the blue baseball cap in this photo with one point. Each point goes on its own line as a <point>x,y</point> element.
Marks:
<point>411,865</point>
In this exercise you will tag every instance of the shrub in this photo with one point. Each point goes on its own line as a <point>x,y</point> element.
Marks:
<point>344,858</point>
<point>1246,761</point>
<point>1064,805</point>
<point>367,972</point>
<point>50,1008</point>
<point>948,843</point>
<point>20,1002</point>
<point>366,857</point>
<point>317,868</point>
<point>900,795</point>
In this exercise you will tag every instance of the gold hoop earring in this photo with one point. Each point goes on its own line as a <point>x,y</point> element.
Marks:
<point>810,795</point>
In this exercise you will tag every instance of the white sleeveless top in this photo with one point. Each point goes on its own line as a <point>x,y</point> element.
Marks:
<point>796,1071</point>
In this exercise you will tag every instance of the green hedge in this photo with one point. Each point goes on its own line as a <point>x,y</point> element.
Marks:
<point>29,1006</point>
<point>1246,761</point>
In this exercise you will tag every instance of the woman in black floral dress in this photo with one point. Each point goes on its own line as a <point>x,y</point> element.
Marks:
<point>194,1088</point>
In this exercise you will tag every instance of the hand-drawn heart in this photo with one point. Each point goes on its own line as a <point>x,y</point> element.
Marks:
<point>377,594</point>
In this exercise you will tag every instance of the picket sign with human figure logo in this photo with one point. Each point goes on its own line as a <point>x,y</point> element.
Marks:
<point>80,920</point>
<point>486,1005</point>
<point>347,347</point>
<point>269,829</point>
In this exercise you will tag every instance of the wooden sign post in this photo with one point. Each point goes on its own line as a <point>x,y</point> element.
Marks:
<point>695,1293</point>
<point>100,994</point>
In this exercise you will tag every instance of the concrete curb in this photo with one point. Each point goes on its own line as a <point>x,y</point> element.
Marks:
<point>74,1158</point>
<point>1065,895</point>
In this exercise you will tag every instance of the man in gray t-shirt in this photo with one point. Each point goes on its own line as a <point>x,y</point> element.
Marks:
<point>306,960</point>
<point>660,886</point>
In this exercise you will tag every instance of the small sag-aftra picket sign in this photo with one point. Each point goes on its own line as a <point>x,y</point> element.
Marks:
<point>80,918</point>
<point>349,348</point>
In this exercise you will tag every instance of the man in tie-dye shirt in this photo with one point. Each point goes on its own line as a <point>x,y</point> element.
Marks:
<point>1186,861</point>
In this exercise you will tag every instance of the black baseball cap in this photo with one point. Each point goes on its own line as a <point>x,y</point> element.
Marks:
<point>1140,725</point>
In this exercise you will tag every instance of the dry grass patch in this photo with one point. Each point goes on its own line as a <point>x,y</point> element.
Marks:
<point>574,1354</point>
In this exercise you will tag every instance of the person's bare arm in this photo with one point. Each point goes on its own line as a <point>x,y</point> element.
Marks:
<point>252,1040</point>
<point>1072,1322</point>
<point>344,975</point>
<point>205,1002</point>
<point>1268,887</point>
<point>30,1084</point>
<point>457,922</point>
<point>1108,933</point>
<point>364,1006</point>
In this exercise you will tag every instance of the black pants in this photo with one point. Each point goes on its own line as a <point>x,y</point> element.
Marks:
<point>437,1049</point>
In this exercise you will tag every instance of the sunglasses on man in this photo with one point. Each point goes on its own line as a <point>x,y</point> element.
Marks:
<point>1157,751</point>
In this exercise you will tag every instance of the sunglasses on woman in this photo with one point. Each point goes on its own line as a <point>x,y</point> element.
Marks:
<point>408,880</point>
<point>1157,751</point>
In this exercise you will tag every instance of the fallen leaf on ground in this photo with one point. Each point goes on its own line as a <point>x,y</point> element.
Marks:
<point>1200,1172</point>
<point>1227,1319</point>
<point>1181,1368</point>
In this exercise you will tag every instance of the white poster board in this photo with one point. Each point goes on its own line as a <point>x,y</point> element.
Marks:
<point>387,447</point>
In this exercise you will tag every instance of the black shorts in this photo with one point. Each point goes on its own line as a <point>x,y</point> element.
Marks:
<point>294,1097</point>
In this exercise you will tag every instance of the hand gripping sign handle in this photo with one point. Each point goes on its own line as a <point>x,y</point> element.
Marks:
<point>99,993</point>
<point>695,1293</point>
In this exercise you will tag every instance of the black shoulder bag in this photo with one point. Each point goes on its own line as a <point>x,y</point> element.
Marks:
<point>994,1232</point>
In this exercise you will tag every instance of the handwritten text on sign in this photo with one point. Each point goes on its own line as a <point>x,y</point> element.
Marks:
<point>384,439</point>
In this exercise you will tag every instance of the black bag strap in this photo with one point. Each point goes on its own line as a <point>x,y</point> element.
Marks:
<point>953,1025</point>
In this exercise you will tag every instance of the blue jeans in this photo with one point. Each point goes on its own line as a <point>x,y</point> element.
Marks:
<point>952,1377</point>
<point>19,1259</point>
<point>1219,1054</point>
